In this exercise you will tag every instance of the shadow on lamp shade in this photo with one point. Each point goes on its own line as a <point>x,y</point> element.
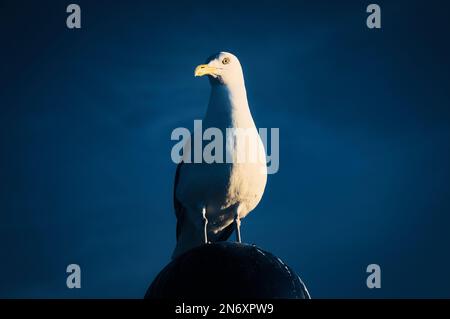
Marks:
<point>227,270</point>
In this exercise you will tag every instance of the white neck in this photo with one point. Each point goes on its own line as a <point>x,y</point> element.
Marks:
<point>228,106</point>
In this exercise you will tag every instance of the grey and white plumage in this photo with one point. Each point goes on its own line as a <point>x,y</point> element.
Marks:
<point>211,199</point>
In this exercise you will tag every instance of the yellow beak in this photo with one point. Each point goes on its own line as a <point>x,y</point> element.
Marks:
<point>204,69</point>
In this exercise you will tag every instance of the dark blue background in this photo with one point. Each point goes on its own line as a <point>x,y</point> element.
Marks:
<point>86,117</point>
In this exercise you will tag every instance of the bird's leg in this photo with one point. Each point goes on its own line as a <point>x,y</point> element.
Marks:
<point>237,222</point>
<point>205,224</point>
<point>238,230</point>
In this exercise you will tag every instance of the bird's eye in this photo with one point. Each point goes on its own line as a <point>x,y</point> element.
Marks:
<point>226,60</point>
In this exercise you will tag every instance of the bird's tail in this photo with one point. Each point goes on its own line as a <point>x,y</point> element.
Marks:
<point>188,239</point>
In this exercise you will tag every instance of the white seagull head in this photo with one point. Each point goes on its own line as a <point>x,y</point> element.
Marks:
<point>222,69</point>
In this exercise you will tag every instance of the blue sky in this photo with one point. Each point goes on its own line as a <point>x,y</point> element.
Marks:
<point>86,117</point>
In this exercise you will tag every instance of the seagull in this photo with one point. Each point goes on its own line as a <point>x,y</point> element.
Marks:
<point>210,199</point>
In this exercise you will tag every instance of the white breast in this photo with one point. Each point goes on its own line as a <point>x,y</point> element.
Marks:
<point>221,187</point>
